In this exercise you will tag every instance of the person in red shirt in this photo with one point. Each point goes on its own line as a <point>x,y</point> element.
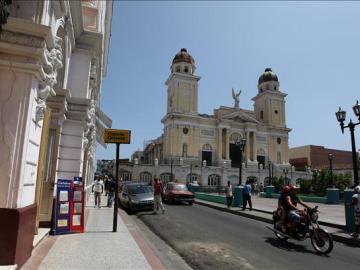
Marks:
<point>158,190</point>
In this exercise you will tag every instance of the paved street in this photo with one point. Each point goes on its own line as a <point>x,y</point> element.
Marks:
<point>211,239</point>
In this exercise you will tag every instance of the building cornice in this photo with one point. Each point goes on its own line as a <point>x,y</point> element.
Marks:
<point>107,28</point>
<point>278,94</point>
<point>182,76</point>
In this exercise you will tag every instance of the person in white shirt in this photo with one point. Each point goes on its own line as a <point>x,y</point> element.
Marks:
<point>356,203</point>
<point>98,189</point>
<point>229,194</point>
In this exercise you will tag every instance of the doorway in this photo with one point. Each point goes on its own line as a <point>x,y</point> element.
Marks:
<point>234,155</point>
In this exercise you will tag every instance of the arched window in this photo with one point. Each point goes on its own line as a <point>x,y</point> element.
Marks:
<point>186,69</point>
<point>261,115</point>
<point>125,175</point>
<point>261,152</point>
<point>279,157</point>
<point>234,137</point>
<point>178,69</point>
<point>184,150</point>
<point>207,147</point>
<point>165,178</point>
<point>191,178</point>
<point>145,177</point>
<point>214,180</point>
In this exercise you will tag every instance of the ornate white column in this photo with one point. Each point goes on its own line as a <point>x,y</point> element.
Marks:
<point>227,144</point>
<point>247,147</point>
<point>220,144</point>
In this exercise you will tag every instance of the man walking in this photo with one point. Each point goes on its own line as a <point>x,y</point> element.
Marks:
<point>229,194</point>
<point>98,189</point>
<point>247,195</point>
<point>158,190</point>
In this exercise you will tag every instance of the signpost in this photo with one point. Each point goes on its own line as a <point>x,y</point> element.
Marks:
<point>118,137</point>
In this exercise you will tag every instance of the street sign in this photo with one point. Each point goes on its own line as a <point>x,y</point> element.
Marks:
<point>117,136</point>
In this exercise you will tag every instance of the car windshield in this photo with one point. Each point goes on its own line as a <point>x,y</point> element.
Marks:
<point>138,189</point>
<point>178,187</point>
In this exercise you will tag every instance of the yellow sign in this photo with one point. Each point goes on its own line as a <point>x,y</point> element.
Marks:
<point>117,136</point>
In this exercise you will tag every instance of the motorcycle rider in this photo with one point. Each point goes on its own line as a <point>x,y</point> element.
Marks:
<point>281,210</point>
<point>289,203</point>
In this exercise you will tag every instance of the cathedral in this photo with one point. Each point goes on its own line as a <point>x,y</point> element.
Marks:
<point>209,144</point>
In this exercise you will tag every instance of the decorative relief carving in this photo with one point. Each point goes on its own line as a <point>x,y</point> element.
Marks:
<point>90,130</point>
<point>52,61</point>
<point>22,39</point>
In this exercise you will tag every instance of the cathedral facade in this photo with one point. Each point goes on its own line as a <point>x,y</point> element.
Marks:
<point>205,147</point>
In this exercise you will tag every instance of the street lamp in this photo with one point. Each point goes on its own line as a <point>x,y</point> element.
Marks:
<point>171,170</point>
<point>270,182</point>
<point>330,157</point>
<point>341,116</point>
<point>241,144</point>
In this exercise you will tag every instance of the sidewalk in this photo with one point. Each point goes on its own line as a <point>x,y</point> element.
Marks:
<point>332,217</point>
<point>98,247</point>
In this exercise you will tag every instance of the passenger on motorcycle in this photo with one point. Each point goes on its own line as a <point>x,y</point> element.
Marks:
<point>288,201</point>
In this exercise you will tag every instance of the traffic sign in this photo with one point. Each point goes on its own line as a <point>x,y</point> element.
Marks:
<point>117,136</point>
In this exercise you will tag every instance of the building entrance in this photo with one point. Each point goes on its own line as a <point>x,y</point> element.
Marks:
<point>234,155</point>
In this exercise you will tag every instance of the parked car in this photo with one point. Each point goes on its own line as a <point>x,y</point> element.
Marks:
<point>136,196</point>
<point>177,192</point>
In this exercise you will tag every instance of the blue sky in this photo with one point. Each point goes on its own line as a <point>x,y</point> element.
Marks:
<point>313,47</point>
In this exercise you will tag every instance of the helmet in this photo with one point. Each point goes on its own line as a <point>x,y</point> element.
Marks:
<point>286,189</point>
<point>357,189</point>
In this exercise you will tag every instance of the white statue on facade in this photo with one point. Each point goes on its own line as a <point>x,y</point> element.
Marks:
<point>236,97</point>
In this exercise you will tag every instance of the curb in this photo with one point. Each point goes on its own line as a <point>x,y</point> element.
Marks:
<point>338,237</point>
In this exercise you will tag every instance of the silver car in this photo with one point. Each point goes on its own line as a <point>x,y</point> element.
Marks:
<point>136,196</point>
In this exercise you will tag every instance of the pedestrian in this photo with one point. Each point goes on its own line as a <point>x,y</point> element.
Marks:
<point>98,189</point>
<point>356,203</point>
<point>111,192</point>
<point>247,196</point>
<point>158,190</point>
<point>261,187</point>
<point>106,185</point>
<point>229,194</point>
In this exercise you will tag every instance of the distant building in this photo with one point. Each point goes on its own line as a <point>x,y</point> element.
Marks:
<point>203,148</point>
<point>316,157</point>
<point>105,167</point>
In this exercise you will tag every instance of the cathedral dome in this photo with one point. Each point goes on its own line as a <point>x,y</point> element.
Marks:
<point>268,76</point>
<point>183,56</point>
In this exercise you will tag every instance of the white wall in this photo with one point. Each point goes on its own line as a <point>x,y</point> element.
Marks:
<point>79,73</point>
<point>70,157</point>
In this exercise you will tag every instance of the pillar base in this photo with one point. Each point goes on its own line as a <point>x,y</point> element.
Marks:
<point>332,195</point>
<point>17,234</point>
<point>238,196</point>
<point>349,210</point>
<point>269,191</point>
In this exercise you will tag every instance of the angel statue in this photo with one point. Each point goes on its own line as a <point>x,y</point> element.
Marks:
<point>236,97</point>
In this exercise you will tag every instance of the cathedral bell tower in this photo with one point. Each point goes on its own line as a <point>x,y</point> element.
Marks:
<point>182,85</point>
<point>270,102</point>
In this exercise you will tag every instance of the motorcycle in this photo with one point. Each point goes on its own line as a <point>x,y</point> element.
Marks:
<point>308,227</point>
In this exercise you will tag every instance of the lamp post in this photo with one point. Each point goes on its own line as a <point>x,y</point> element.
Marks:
<point>241,144</point>
<point>270,182</point>
<point>171,169</point>
<point>341,116</point>
<point>190,180</point>
<point>330,157</point>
